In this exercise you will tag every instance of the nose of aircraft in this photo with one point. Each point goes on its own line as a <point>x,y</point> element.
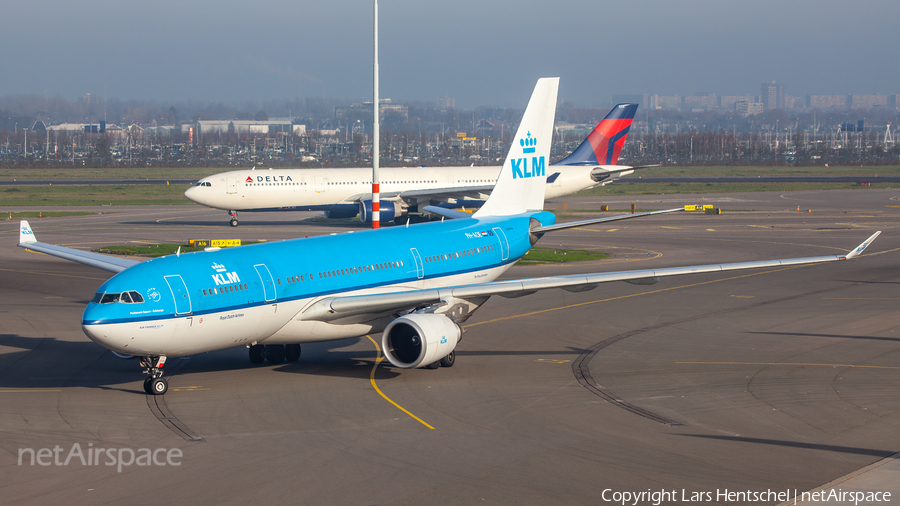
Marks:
<point>193,193</point>
<point>104,334</point>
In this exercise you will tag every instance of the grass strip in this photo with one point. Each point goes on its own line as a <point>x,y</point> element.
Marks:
<point>540,255</point>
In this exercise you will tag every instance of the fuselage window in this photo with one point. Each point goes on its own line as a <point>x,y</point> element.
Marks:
<point>204,291</point>
<point>279,281</point>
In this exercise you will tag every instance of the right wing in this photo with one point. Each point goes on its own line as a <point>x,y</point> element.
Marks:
<point>107,263</point>
<point>333,308</point>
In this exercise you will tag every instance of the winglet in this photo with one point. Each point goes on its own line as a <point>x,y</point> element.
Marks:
<point>26,236</point>
<point>862,247</point>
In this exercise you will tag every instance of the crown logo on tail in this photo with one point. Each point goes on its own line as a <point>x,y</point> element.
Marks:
<point>528,143</point>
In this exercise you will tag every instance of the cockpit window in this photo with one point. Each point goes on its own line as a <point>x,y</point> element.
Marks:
<point>131,297</point>
<point>204,183</point>
<point>109,298</point>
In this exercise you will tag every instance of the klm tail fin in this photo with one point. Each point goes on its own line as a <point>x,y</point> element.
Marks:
<point>603,145</point>
<point>520,185</point>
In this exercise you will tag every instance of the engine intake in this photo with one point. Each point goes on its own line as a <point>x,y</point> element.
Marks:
<point>419,339</point>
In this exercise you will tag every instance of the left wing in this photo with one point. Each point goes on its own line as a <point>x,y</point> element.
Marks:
<point>333,308</point>
<point>107,263</point>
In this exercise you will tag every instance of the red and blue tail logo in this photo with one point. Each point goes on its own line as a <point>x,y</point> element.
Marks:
<point>603,145</point>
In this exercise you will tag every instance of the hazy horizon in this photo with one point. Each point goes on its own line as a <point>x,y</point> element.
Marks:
<point>481,54</point>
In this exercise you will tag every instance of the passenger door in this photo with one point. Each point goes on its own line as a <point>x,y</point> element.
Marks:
<point>268,283</point>
<point>420,268</point>
<point>504,245</point>
<point>180,294</point>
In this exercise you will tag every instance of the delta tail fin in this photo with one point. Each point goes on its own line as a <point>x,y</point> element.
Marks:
<point>603,145</point>
<point>520,185</point>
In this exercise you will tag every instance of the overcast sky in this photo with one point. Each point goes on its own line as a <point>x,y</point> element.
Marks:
<point>481,52</point>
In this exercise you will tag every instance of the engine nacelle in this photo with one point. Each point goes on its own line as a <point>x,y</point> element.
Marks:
<point>419,339</point>
<point>388,210</point>
<point>341,211</point>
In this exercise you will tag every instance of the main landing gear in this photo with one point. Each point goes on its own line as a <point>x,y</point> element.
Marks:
<point>274,353</point>
<point>155,384</point>
<point>234,221</point>
<point>447,361</point>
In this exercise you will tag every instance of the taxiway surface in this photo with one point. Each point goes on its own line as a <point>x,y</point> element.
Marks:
<point>776,379</point>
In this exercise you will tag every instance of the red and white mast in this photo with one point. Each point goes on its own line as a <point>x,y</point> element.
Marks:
<point>376,134</point>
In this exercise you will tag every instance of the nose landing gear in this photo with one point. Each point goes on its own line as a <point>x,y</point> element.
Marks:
<point>155,384</point>
<point>234,221</point>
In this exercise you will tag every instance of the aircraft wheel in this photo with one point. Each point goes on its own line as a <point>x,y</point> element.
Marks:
<point>292,352</point>
<point>234,222</point>
<point>158,386</point>
<point>433,365</point>
<point>147,381</point>
<point>275,353</point>
<point>257,354</point>
<point>449,360</point>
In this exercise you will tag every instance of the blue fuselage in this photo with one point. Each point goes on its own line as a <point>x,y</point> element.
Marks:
<point>235,285</point>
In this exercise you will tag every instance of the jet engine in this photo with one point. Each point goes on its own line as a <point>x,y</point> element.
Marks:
<point>419,339</point>
<point>388,210</point>
<point>341,211</point>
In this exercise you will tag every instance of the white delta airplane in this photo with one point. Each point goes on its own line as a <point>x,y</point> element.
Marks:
<point>345,193</point>
<point>415,284</point>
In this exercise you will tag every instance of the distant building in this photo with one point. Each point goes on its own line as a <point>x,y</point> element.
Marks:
<point>88,128</point>
<point>491,127</point>
<point>643,100</point>
<point>772,96</point>
<point>666,101</point>
<point>826,101</point>
<point>728,101</point>
<point>868,101</point>
<point>363,111</point>
<point>745,108</point>
<point>701,102</point>
<point>445,103</point>
<point>243,126</point>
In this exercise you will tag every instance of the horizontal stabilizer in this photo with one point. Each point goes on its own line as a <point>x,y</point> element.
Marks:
<point>453,214</point>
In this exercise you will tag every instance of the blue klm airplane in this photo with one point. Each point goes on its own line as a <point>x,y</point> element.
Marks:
<point>415,284</point>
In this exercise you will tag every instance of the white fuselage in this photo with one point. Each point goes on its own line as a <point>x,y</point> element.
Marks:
<point>311,189</point>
